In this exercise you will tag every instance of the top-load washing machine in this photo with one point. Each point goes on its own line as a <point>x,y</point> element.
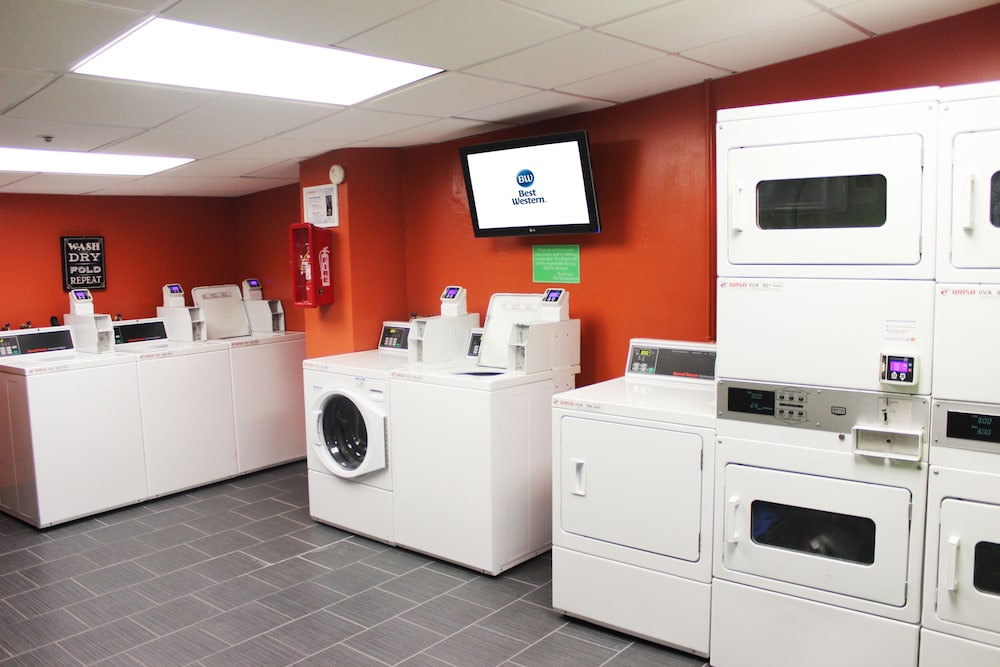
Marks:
<point>186,402</point>
<point>71,443</point>
<point>472,441</point>
<point>632,496</point>
<point>266,367</point>
<point>831,188</point>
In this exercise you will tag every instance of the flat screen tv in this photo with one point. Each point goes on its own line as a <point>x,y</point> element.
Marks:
<point>531,186</point>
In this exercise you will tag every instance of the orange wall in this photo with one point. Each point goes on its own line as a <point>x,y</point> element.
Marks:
<point>149,241</point>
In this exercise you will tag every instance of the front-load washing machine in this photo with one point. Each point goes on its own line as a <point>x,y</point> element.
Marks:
<point>71,436</point>
<point>347,426</point>
<point>266,379</point>
<point>186,402</point>
<point>472,441</point>
<point>632,496</point>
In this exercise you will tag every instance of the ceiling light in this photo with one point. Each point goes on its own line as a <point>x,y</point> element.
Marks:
<point>68,162</point>
<point>182,54</point>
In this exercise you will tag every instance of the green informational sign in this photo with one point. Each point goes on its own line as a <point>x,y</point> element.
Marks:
<point>555,264</point>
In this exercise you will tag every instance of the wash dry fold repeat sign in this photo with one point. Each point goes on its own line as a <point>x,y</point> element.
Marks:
<point>83,262</point>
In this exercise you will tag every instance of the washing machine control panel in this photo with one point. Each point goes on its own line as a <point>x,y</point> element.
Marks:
<point>676,362</point>
<point>395,337</point>
<point>897,369</point>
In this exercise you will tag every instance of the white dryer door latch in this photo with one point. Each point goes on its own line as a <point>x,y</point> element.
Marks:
<point>951,564</point>
<point>579,477</point>
<point>732,534</point>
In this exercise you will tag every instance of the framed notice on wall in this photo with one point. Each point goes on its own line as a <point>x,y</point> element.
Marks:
<point>83,262</point>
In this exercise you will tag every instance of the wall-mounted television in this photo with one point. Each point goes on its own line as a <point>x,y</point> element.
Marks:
<point>531,186</point>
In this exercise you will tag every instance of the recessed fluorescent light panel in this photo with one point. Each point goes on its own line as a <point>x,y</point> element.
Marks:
<point>183,54</point>
<point>67,162</point>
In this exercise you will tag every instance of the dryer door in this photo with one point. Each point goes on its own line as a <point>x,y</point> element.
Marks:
<point>350,430</point>
<point>968,587</point>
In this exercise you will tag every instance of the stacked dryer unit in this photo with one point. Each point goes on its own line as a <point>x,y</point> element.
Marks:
<point>632,496</point>
<point>825,320</point>
<point>266,365</point>
<point>472,441</point>
<point>961,615</point>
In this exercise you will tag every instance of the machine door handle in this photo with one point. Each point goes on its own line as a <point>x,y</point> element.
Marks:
<point>969,220</point>
<point>579,477</point>
<point>735,196</point>
<point>318,440</point>
<point>951,563</point>
<point>732,534</point>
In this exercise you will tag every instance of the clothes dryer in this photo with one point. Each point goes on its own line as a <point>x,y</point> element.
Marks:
<point>347,425</point>
<point>186,402</point>
<point>472,445</point>
<point>266,380</point>
<point>632,496</point>
<point>71,443</point>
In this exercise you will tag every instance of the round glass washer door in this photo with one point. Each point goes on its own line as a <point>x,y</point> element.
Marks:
<point>351,447</point>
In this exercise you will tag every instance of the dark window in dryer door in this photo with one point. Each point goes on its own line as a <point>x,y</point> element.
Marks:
<point>995,199</point>
<point>986,570</point>
<point>811,531</point>
<point>828,202</point>
<point>344,432</point>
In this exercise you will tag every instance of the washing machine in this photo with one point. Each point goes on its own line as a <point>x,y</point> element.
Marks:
<point>71,443</point>
<point>186,402</point>
<point>347,425</point>
<point>632,496</point>
<point>472,440</point>
<point>266,368</point>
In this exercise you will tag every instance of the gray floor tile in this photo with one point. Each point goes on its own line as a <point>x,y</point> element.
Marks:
<point>224,542</point>
<point>53,549</point>
<point>113,577</point>
<point>492,593</point>
<point>447,614</point>
<point>50,655</point>
<point>290,572</point>
<point>421,585</point>
<point>48,598</point>
<point>537,571</point>
<point>66,567</point>
<point>596,635</point>
<point>278,549</point>
<point>301,599</point>
<point>263,509</point>
<point>106,640</point>
<point>393,641</point>
<point>259,652</point>
<point>242,623</point>
<point>227,567</point>
<point>40,630</point>
<point>524,621</point>
<point>423,660</point>
<point>16,582</point>
<point>177,649</point>
<point>340,656</point>
<point>315,632</point>
<point>271,527</point>
<point>169,560</point>
<point>643,654</point>
<point>236,592</point>
<point>354,578</point>
<point>218,522</point>
<point>477,647</point>
<point>174,535</point>
<point>398,561</point>
<point>174,615</point>
<point>110,607</point>
<point>371,607</point>
<point>340,554</point>
<point>561,650</point>
<point>320,535</point>
<point>118,552</point>
<point>174,585</point>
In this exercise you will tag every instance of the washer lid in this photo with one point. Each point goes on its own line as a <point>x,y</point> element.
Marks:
<point>223,310</point>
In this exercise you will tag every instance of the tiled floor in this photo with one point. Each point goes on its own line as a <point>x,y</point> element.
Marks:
<point>238,574</point>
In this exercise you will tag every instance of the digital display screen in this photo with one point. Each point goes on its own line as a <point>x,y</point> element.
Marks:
<point>140,331</point>
<point>552,295</point>
<point>81,295</point>
<point>751,401</point>
<point>253,282</point>
<point>451,293</point>
<point>175,289</point>
<point>898,365</point>
<point>973,426</point>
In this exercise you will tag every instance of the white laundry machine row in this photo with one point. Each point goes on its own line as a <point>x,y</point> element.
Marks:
<point>71,442</point>
<point>633,496</point>
<point>186,404</point>
<point>819,525</point>
<point>472,441</point>
<point>266,367</point>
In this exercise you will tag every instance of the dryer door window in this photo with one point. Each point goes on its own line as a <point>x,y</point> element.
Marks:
<point>345,435</point>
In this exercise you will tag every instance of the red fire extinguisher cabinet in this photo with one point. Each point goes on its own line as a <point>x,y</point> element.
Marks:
<point>311,247</point>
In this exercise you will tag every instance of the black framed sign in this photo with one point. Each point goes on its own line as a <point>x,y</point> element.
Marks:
<point>83,262</point>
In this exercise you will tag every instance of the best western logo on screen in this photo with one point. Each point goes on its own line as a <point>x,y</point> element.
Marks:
<point>525,179</point>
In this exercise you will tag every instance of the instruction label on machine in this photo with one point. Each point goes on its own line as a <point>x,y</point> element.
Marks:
<point>83,262</point>
<point>555,264</point>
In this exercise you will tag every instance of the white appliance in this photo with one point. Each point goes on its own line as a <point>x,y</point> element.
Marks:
<point>839,187</point>
<point>186,403</point>
<point>969,192</point>
<point>961,611</point>
<point>184,323</point>
<point>266,379</point>
<point>632,496</point>
<point>819,526</point>
<point>347,426</point>
<point>472,441</point>
<point>71,443</point>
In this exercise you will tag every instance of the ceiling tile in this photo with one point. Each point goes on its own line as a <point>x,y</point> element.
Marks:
<point>80,99</point>
<point>321,22</point>
<point>247,116</point>
<point>52,35</point>
<point>453,34</point>
<point>882,16</point>
<point>448,95</point>
<point>536,107</point>
<point>590,13</point>
<point>683,25</point>
<point>356,125</point>
<point>27,133</point>
<point>64,184</point>
<point>645,79</point>
<point>198,146</point>
<point>575,57</point>
<point>268,151</point>
<point>435,132</point>
<point>808,35</point>
<point>16,84</point>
